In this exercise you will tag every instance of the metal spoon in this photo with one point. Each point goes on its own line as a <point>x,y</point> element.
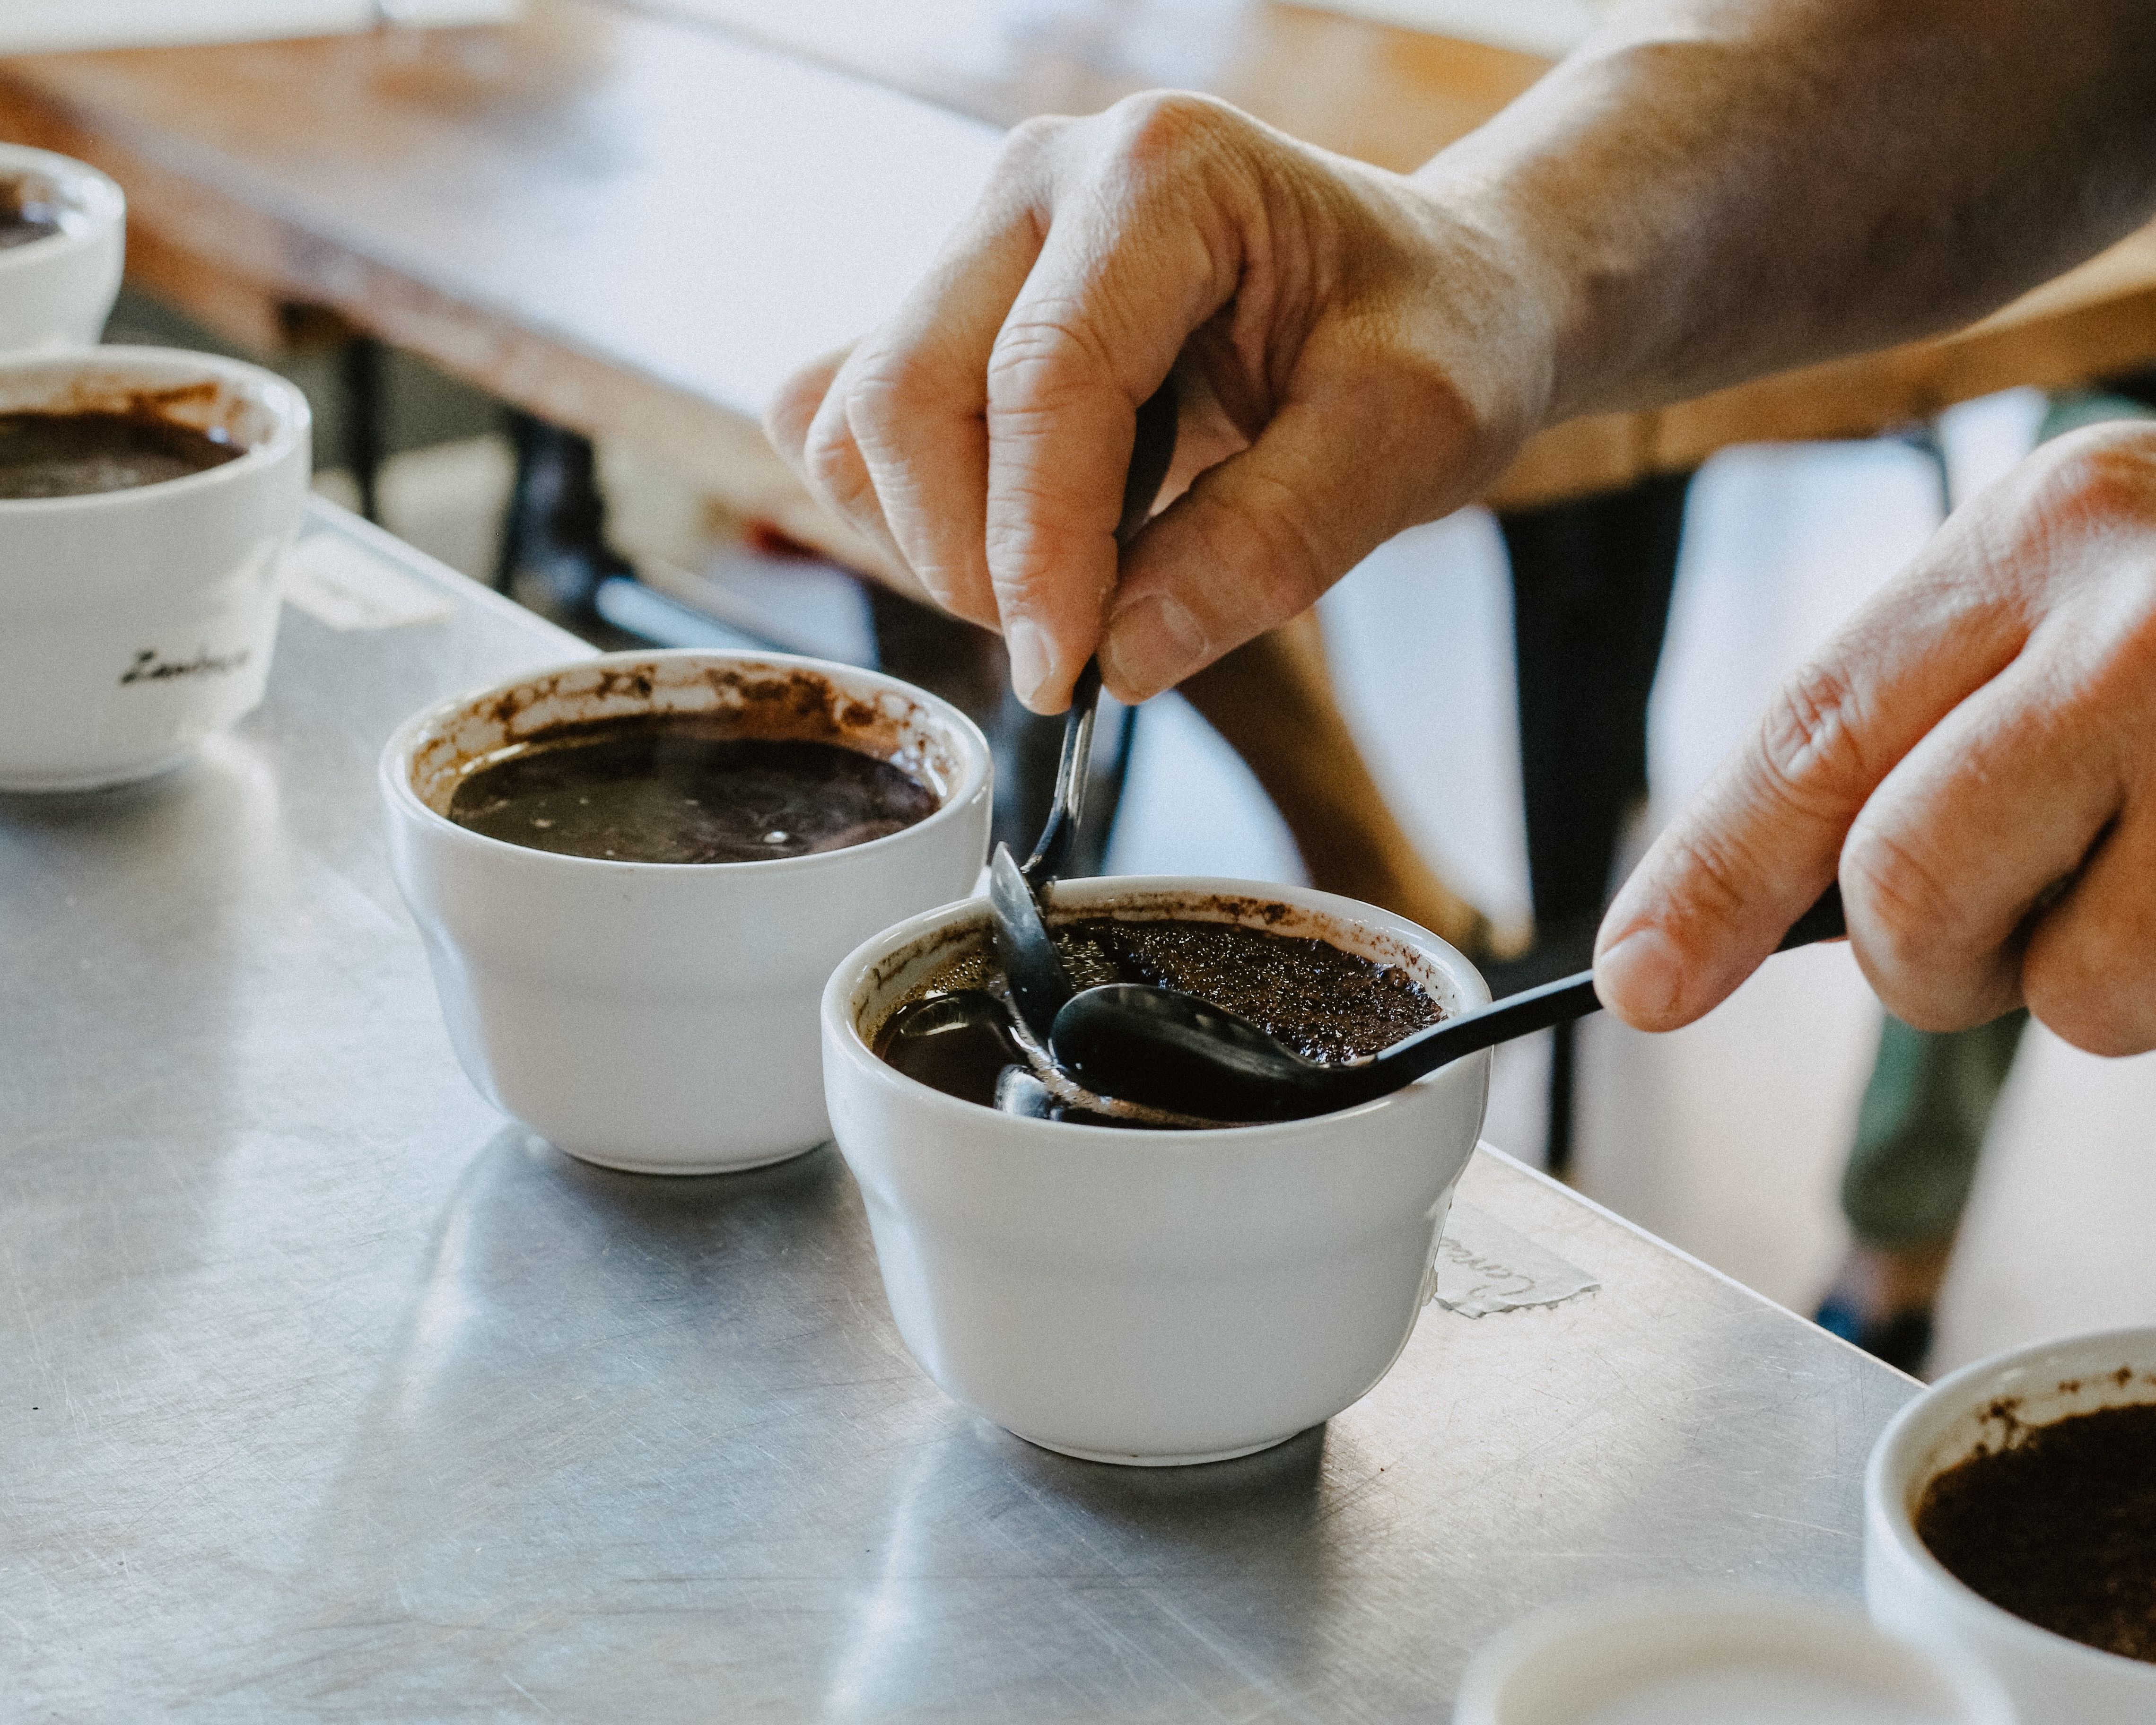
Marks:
<point>1039,986</point>
<point>1168,1049</point>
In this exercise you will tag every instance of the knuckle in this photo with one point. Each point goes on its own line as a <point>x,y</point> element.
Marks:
<point>834,462</point>
<point>1811,741</point>
<point>887,391</point>
<point>2100,478</point>
<point>1028,143</point>
<point>1040,358</point>
<point>2119,673</point>
<point>1161,126</point>
<point>1711,878</point>
<point>790,413</point>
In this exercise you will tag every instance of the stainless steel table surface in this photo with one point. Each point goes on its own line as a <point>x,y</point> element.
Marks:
<point>329,1395</point>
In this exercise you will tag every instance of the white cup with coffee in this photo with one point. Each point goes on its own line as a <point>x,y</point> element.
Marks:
<point>147,495</point>
<point>63,235</point>
<point>1988,1534</point>
<point>633,872</point>
<point>1151,1298</point>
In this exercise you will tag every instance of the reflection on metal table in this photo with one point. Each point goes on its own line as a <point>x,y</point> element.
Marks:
<point>329,1395</point>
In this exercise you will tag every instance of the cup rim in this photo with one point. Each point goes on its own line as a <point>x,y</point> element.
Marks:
<point>95,193</point>
<point>287,405</point>
<point>393,767</point>
<point>1886,1499</point>
<point>839,1020</point>
<point>1662,1613</point>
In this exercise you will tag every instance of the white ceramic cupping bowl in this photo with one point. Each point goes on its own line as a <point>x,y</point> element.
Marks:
<point>1143,1296</point>
<point>57,292</point>
<point>1713,1657</point>
<point>655,1017</point>
<point>2052,1679</point>
<point>134,623</point>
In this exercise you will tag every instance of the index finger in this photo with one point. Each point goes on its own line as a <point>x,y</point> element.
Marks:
<point>1127,272</point>
<point>1719,888</point>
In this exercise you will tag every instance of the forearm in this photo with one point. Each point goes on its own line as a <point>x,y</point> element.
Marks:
<point>1715,189</point>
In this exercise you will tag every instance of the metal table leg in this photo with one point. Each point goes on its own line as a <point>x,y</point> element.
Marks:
<point>1591,582</point>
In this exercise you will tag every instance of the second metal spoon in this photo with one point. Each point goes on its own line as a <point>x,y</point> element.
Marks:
<point>1039,986</point>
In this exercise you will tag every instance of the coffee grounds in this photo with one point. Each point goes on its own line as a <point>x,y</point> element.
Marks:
<point>75,455</point>
<point>1325,1004</point>
<point>2058,1526</point>
<point>671,788</point>
<point>953,1033</point>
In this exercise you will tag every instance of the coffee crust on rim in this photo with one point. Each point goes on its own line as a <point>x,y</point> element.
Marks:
<point>770,701</point>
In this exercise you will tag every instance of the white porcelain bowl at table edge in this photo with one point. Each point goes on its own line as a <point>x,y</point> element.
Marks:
<point>660,1018</point>
<point>1150,1297</point>
<point>1684,1655</point>
<point>2051,1680</point>
<point>134,623</point>
<point>56,292</point>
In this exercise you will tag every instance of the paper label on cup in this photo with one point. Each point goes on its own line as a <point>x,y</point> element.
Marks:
<point>1483,1266</point>
<point>335,582</point>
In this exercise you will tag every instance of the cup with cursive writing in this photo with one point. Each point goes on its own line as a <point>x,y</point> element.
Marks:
<point>146,497</point>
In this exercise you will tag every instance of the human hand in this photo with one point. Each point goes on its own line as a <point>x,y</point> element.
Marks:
<point>1354,351</point>
<point>1974,753</point>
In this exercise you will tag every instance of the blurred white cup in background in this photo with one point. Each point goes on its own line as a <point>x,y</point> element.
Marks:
<point>57,290</point>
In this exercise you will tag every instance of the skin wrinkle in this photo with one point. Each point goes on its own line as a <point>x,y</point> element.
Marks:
<point>1221,533</point>
<point>1912,838</point>
<point>1704,880</point>
<point>1811,750</point>
<point>1893,898</point>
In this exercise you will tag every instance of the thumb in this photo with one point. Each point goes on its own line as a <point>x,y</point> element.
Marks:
<point>1256,540</point>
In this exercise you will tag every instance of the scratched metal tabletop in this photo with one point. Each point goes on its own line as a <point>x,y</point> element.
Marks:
<point>327,1393</point>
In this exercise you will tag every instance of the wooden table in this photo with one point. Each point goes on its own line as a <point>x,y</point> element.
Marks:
<point>634,220</point>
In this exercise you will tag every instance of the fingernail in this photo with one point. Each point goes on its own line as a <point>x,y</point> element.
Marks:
<point>1641,978</point>
<point>1154,643</point>
<point>1027,644</point>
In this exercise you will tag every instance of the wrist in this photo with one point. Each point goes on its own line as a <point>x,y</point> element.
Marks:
<point>1536,329</point>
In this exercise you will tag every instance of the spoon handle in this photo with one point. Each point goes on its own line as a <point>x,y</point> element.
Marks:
<point>1153,448</point>
<point>1073,767</point>
<point>1571,997</point>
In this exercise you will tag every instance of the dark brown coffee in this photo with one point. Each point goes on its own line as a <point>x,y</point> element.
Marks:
<point>682,788</point>
<point>74,454</point>
<point>2058,1526</point>
<point>1324,1003</point>
<point>24,217</point>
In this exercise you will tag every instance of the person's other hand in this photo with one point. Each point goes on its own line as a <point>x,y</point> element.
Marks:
<point>1975,754</point>
<point>1354,352</point>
